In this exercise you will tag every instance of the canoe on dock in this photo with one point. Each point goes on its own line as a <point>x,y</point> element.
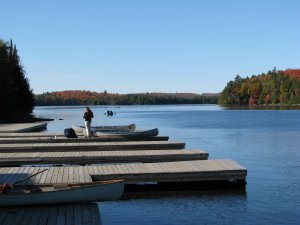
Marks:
<point>61,193</point>
<point>130,127</point>
<point>138,133</point>
<point>22,127</point>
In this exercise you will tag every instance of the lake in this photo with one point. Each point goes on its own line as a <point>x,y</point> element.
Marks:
<point>266,142</point>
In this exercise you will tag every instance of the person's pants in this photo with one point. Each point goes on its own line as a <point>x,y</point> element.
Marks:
<point>88,128</point>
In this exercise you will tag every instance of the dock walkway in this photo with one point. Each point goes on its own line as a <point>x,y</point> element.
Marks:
<point>65,214</point>
<point>92,146</point>
<point>181,171</point>
<point>92,157</point>
<point>62,139</point>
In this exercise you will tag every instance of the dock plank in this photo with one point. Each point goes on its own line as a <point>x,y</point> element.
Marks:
<point>80,139</point>
<point>19,214</point>
<point>166,172</point>
<point>25,158</point>
<point>65,214</point>
<point>36,215</point>
<point>94,146</point>
<point>179,171</point>
<point>27,216</point>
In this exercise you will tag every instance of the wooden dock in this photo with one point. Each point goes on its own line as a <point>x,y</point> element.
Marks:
<point>62,139</point>
<point>136,160</point>
<point>66,214</point>
<point>30,134</point>
<point>92,146</point>
<point>181,171</point>
<point>92,157</point>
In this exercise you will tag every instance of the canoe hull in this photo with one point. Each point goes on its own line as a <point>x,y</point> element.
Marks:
<point>81,129</point>
<point>146,133</point>
<point>92,193</point>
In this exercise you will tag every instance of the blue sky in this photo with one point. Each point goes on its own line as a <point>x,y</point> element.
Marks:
<point>132,46</point>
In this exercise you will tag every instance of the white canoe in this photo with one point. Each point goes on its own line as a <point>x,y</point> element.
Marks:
<point>138,133</point>
<point>62,193</point>
<point>130,127</point>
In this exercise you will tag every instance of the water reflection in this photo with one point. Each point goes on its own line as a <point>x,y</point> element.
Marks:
<point>262,107</point>
<point>189,208</point>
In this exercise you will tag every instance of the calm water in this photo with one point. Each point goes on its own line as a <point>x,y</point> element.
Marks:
<point>266,142</point>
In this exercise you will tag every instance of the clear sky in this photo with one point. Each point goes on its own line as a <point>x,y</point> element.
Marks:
<point>132,46</point>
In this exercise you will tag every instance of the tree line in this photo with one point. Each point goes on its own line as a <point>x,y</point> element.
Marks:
<point>16,96</point>
<point>274,87</point>
<point>17,99</point>
<point>104,98</point>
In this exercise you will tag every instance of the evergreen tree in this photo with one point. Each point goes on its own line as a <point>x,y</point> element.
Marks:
<point>16,97</point>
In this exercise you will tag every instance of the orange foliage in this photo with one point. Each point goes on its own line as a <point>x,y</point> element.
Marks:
<point>82,95</point>
<point>252,101</point>
<point>78,94</point>
<point>267,99</point>
<point>295,73</point>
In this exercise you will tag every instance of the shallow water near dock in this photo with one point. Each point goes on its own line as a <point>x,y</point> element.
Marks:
<point>266,142</point>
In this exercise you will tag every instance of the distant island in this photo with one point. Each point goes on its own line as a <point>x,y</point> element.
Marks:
<point>274,87</point>
<point>104,98</point>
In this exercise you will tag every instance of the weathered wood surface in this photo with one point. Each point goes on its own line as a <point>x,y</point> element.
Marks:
<point>21,127</point>
<point>61,139</point>
<point>65,214</point>
<point>29,158</point>
<point>31,134</point>
<point>92,146</point>
<point>181,171</point>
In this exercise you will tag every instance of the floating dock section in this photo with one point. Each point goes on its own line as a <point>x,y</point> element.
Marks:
<point>8,139</point>
<point>79,214</point>
<point>181,171</point>
<point>93,157</point>
<point>92,146</point>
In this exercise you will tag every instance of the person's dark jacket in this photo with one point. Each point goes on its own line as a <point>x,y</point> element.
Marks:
<point>88,116</point>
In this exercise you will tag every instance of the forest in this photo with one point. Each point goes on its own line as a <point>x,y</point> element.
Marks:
<point>105,98</point>
<point>274,87</point>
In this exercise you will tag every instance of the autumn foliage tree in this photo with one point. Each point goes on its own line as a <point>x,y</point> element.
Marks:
<point>274,87</point>
<point>16,97</point>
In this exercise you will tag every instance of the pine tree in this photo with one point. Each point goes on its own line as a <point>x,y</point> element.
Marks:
<point>16,97</point>
<point>6,95</point>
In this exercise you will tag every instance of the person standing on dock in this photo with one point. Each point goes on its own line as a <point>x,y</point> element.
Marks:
<point>88,115</point>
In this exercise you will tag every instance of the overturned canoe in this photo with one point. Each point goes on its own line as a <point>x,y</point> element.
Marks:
<point>22,127</point>
<point>130,127</point>
<point>61,193</point>
<point>142,133</point>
